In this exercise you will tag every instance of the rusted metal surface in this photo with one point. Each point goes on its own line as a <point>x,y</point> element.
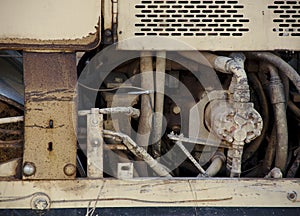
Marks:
<point>50,113</point>
<point>34,24</point>
<point>153,192</point>
<point>10,168</point>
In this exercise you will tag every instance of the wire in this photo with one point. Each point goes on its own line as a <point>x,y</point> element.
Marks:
<point>112,89</point>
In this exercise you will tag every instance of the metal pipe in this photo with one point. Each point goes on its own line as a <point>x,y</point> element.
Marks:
<point>130,111</point>
<point>140,152</point>
<point>159,102</point>
<point>283,66</point>
<point>11,119</point>
<point>278,101</point>
<point>145,121</point>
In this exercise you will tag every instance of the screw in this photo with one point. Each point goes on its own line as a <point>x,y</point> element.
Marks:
<point>292,196</point>
<point>69,169</point>
<point>29,169</point>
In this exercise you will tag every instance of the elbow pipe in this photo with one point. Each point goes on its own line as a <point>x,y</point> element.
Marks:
<point>230,65</point>
<point>216,164</point>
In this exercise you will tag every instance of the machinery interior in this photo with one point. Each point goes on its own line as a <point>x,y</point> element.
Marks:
<point>172,90</point>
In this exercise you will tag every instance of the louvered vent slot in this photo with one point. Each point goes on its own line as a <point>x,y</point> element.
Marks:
<point>190,18</point>
<point>286,18</point>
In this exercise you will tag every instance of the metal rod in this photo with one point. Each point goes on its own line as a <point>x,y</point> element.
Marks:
<point>130,111</point>
<point>140,152</point>
<point>192,159</point>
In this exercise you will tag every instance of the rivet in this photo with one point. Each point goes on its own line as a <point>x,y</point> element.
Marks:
<point>69,169</point>
<point>29,169</point>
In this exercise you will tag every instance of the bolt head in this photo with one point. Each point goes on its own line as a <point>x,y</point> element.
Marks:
<point>176,110</point>
<point>40,201</point>
<point>292,196</point>
<point>69,169</point>
<point>29,169</point>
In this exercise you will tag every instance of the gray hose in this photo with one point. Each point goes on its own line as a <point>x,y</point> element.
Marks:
<point>278,101</point>
<point>283,66</point>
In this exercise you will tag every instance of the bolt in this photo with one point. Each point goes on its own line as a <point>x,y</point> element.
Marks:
<point>69,169</point>
<point>176,110</point>
<point>41,204</point>
<point>95,121</point>
<point>40,201</point>
<point>29,169</point>
<point>107,32</point>
<point>292,196</point>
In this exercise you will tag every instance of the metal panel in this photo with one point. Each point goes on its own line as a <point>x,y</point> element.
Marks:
<point>55,24</point>
<point>209,25</point>
<point>50,115</point>
<point>151,192</point>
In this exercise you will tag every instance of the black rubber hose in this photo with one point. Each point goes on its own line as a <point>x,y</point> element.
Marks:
<point>257,86</point>
<point>283,66</point>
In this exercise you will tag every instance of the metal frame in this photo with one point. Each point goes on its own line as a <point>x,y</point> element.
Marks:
<point>181,192</point>
<point>232,29</point>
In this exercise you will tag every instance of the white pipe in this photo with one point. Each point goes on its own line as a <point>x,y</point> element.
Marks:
<point>11,119</point>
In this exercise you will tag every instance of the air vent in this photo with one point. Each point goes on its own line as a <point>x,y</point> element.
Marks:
<point>190,18</point>
<point>286,18</point>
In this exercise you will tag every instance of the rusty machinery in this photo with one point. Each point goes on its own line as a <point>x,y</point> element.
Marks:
<point>169,99</point>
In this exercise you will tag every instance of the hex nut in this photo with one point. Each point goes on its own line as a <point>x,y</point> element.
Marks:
<point>70,169</point>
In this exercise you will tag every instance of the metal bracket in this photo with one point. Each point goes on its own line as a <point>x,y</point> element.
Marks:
<point>94,144</point>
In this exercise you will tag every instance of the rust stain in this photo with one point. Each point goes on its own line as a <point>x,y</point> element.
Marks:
<point>88,42</point>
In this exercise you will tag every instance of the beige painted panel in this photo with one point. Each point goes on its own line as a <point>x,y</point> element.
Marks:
<point>152,192</point>
<point>209,25</point>
<point>49,21</point>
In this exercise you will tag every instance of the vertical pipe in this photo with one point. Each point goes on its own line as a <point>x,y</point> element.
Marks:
<point>159,101</point>
<point>147,101</point>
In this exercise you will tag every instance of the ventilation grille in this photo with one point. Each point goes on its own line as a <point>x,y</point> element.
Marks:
<point>190,18</point>
<point>286,18</point>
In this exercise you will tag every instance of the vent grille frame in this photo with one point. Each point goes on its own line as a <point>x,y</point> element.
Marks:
<point>258,29</point>
<point>190,18</point>
<point>286,18</point>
